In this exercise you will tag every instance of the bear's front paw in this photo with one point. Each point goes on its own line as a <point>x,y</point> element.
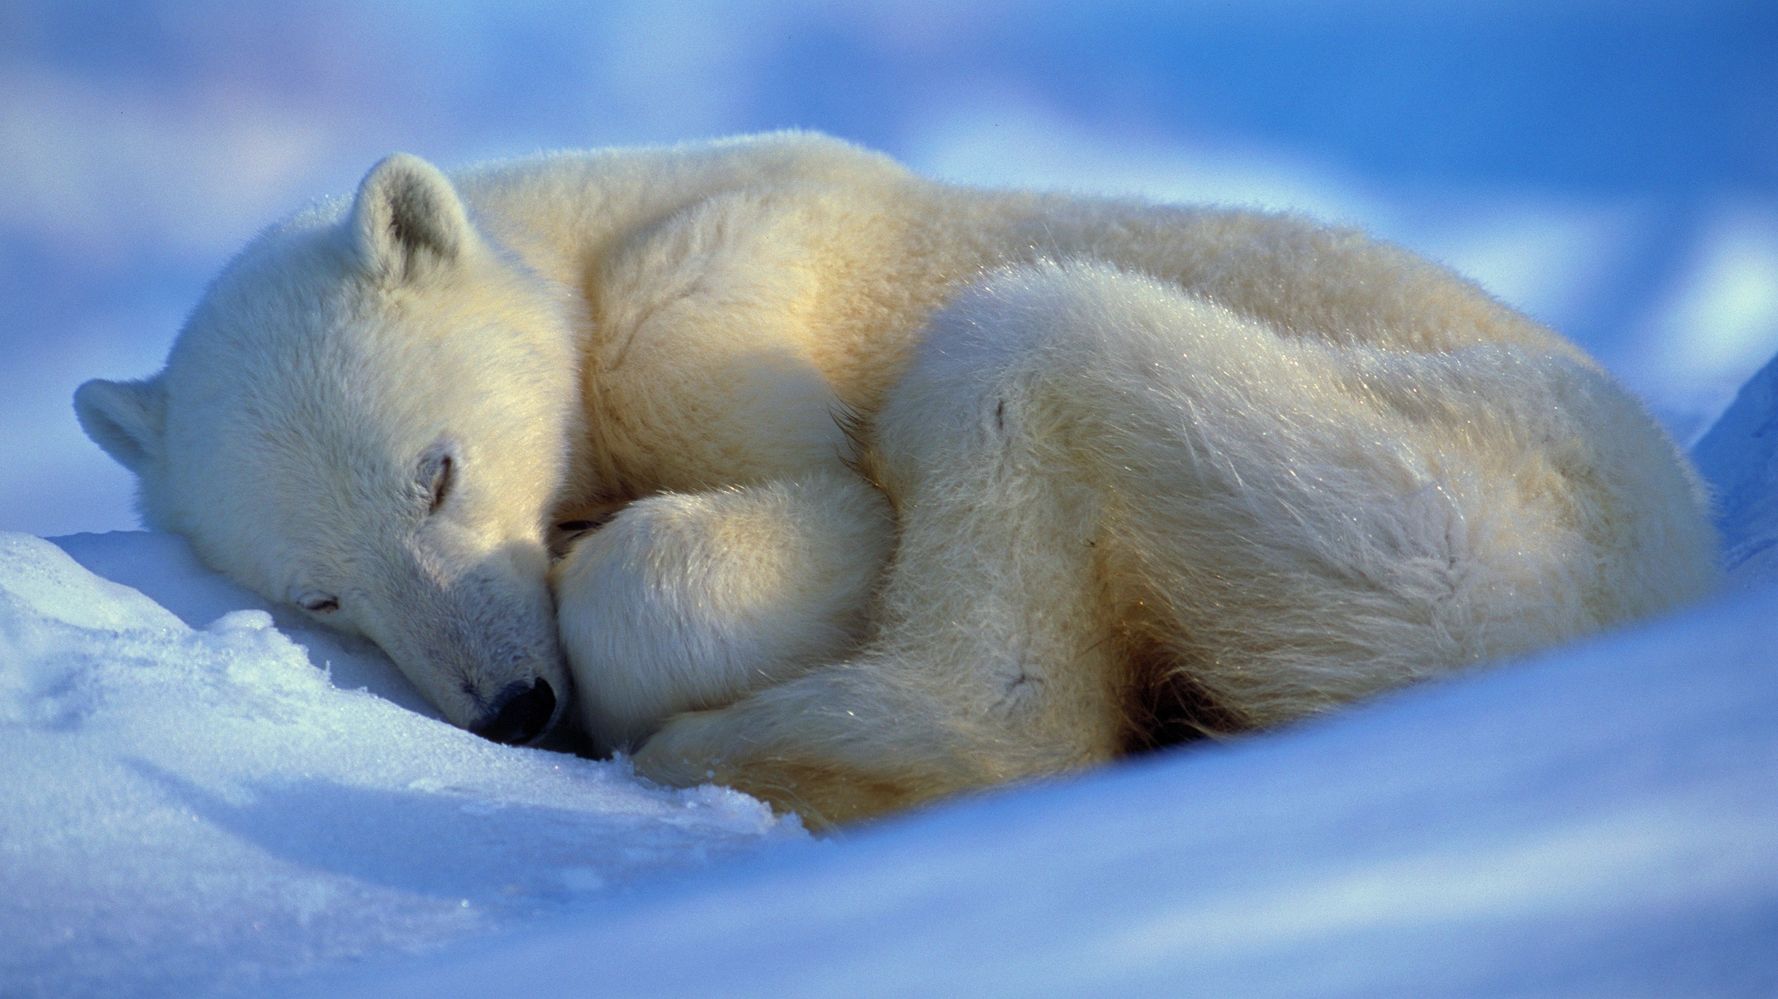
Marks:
<point>681,753</point>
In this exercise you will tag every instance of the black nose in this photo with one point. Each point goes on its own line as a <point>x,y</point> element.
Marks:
<point>519,714</point>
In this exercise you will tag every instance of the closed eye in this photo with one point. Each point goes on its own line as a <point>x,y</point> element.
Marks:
<point>437,473</point>
<point>318,603</point>
<point>441,483</point>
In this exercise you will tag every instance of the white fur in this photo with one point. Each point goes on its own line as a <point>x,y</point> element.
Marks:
<point>692,600</point>
<point>272,439</point>
<point>1105,452</point>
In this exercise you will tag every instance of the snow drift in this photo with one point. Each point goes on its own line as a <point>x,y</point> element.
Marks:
<point>196,809</point>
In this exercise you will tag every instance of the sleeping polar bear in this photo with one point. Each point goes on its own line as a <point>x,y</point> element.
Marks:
<point>864,489</point>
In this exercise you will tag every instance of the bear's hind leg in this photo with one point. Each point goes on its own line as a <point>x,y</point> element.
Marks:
<point>1298,522</point>
<point>991,661</point>
<point>994,655</point>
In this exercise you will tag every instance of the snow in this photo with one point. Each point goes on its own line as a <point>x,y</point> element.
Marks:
<point>1739,456</point>
<point>200,806</point>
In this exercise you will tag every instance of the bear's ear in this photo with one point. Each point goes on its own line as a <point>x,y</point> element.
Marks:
<point>407,219</point>
<point>124,418</point>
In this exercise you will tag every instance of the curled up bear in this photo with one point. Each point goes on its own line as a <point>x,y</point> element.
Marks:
<point>771,463</point>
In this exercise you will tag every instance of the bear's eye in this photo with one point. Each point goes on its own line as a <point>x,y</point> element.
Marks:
<point>318,603</point>
<point>438,471</point>
<point>441,483</point>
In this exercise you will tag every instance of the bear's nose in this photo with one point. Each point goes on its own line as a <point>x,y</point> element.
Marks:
<point>519,714</point>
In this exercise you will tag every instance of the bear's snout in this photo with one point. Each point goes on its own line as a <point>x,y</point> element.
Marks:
<point>519,714</point>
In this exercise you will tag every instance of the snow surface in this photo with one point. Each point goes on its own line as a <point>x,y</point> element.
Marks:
<point>195,804</point>
<point>207,797</point>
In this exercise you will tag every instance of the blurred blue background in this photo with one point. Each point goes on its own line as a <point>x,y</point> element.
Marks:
<point>1611,168</point>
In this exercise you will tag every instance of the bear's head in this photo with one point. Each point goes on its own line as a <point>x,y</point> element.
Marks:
<point>370,415</point>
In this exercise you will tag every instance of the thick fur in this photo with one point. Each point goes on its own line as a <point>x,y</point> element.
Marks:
<point>917,488</point>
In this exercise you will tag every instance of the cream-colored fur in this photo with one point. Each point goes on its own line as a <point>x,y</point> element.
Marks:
<point>919,488</point>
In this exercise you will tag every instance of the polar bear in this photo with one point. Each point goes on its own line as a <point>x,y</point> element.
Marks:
<point>775,464</point>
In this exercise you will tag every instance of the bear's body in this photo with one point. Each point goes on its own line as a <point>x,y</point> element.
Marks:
<point>917,488</point>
